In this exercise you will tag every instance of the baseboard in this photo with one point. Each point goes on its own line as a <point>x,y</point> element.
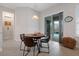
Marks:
<point>0,49</point>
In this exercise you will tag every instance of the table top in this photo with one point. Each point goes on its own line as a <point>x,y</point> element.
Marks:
<point>34,35</point>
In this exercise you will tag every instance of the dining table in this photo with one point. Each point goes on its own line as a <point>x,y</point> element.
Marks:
<point>36,37</point>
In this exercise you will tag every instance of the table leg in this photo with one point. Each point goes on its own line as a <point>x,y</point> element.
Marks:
<point>38,46</point>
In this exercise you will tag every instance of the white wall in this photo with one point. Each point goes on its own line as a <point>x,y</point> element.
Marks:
<point>77,18</point>
<point>24,22</point>
<point>68,10</point>
<point>0,31</point>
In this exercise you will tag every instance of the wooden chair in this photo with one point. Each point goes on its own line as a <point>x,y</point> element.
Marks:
<point>29,43</point>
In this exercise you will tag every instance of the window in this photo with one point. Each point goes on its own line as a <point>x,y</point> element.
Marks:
<point>77,27</point>
<point>7,15</point>
<point>7,19</point>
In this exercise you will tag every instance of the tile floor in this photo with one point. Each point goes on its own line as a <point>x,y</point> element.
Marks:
<point>11,48</point>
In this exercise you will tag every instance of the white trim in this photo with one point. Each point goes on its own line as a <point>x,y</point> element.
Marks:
<point>53,13</point>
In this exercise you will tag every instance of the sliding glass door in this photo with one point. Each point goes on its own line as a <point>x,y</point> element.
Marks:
<point>57,27</point>
<point>53,26</point>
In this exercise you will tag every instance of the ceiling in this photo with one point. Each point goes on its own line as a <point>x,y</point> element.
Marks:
<point>36,6</point>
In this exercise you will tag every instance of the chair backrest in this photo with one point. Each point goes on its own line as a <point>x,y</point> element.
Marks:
<point>22,37</point>
<point>48,37</point>
<point>28,41</point>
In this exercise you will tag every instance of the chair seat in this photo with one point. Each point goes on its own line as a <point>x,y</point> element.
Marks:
<point>44,40</point>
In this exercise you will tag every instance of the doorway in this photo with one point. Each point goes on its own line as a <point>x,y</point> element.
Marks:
<point>56,30</point>
<point>8,25</point>
<point>57,33</point>
<point>8,31</point>
<point>53,26</point>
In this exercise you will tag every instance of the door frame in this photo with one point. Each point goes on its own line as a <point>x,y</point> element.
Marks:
<point>45,28</point>
<point>51,21</point>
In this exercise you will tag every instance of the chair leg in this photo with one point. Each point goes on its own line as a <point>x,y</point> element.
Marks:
<point>33,51</point>
<point>40,44</point>
<point>28,50</point>
<point>24,51</point>
<point>48,47</point>
<point>20,45</point>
